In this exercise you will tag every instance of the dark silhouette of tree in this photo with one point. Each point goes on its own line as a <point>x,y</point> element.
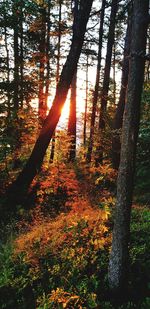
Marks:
<point>42,55</point>
<point>110,42</point>
<point>16,56</point>
<point>34,163</point>
<point>118,263</point>
<point>106,79</point>
<point>96,90</point>
<point>117,125</point>
<point>72,119</point>
<point>86,100</point>
<point>57,69</point>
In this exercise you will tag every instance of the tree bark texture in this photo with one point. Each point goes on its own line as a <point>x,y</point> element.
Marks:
<point>118,263</point>
<point>34,163</point>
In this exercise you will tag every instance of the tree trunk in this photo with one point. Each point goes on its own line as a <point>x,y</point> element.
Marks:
<point>118,263</point>
<point>116,145</point>
<point>86,101</point>
<point>21,54</point>
<point>72,119</point>
<point>106,80</point>
<point>34,163</point>
<point>114,73</point>
<point>48,53</point>
<point>96,90</point>
<point>42,45</point>
<point>105,87</point>
<point>16,60</point>
<point>57,71</point>
<point>8,74</point>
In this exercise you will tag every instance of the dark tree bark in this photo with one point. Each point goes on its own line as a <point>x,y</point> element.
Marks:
<point>106,80</point>
<point>48,52</point>
<point>117,125</point>
<point>114,73</point>
<point>96,90</point>
<point>8,74</point>
<point>57,70</point>
<point>42,52</point>
<point>16,58</point>
<point>21,53</point>
<point>34,163</point>
<point>59,41</point>
<point>86,100</point>
<point>118,263</point>
<point>105,87</point>
<point>72,119</point>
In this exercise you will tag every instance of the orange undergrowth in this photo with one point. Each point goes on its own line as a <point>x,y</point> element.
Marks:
<point>51,235</point>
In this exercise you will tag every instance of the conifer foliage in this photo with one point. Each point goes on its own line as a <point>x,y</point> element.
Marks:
<point>74,154</point>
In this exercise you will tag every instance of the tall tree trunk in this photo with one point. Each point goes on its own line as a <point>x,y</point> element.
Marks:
<point>8,74</point>
<point>57,70</point>
<point>117,125</point>
<point>16,59</point>
<point>118,263</point>
<point>48,53</point>
<point>86,100</point>
<point>72,119</point>
<point>96,90</point>
<point>114,73</point>
<point>105,87</point>
<point>42,46</point>
<point>106,80</point>
<point>34,163</point>
<point>21,54</point>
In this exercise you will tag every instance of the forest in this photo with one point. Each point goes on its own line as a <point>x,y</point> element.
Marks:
<point>74,154</point>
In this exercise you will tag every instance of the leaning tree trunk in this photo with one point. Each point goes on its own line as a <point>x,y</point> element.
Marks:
<point>117,125</point>
<point>118,263</point>
<point>34,163</point>
<point>96,90</point>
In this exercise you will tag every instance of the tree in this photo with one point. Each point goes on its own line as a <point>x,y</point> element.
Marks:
<point>57,68</point>
<point>86,99</point>
<point>117,125</point>
<point>105,87</point>
<point>72,119</point>
<point>106,79</point>
<point>16,56</point>
<point>96,90</point>
<point>42,53</point>
<point>34,163</point>
<point>118,263</point>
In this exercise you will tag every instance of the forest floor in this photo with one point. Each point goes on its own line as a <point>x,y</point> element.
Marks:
<point>56,252</point>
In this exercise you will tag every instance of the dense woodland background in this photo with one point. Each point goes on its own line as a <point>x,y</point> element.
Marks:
<point>69,236</point>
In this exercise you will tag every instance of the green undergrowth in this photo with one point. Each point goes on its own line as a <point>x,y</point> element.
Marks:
<point>63,263</point>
